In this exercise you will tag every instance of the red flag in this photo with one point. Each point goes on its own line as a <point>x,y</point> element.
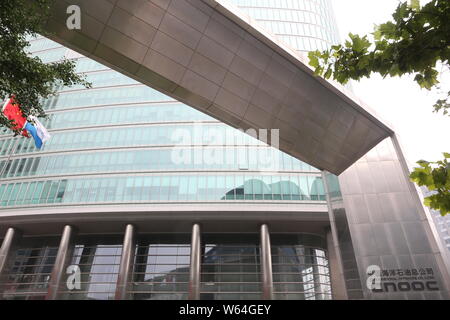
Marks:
<point>12,112</point>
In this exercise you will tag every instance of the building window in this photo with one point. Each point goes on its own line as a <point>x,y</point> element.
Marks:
<point>31,266</point>
<point>161,268</point>
<point>230,267</point>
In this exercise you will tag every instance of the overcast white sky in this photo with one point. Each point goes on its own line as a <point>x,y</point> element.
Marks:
<point>424,134</point>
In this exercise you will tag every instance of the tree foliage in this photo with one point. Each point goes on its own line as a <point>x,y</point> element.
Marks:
<point>416,42</point>
<point>436,177</point>
<point>28,78</point>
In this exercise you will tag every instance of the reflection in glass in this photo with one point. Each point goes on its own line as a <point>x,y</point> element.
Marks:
<point>31,266</point>
<point>230,268</point>
<point>161,268</point>
<point>98,259</point>
<point>300,268</point>
<point>164,188</point>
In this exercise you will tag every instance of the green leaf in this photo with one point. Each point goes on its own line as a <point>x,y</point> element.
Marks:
<point>359,44</point>
<point>387,29</point>
<point>363,62</point>
<point>377,35</point>
<point>436,177</point>
<point>394,70</point>
<point>401,11</point>
<point>423,163</point>
<point>328,73</point>
<point>318,71</point>
<point>415,5</point>
<point>313,59</point>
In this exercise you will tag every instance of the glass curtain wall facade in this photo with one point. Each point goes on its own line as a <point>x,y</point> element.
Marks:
<point>305,25</point>
<point>124,142</point>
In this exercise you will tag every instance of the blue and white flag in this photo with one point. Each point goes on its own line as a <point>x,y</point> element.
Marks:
<point>41,131</point>
<point>37,131</point>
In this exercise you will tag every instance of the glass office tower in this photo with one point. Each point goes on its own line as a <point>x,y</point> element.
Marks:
<point>305,25</point>
<point>442,223</point>
<point>123,145</point>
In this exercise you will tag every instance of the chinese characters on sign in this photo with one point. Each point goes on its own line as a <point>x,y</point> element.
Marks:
<point>401,280</point>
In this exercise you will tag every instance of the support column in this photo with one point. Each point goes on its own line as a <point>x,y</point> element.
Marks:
<point>196,255</point>
<point>338,289</point>
<point>266,263</point>
<point>61,262</point>
<point>126,263</point>
<point>336,266</point>
<point>7,248</point>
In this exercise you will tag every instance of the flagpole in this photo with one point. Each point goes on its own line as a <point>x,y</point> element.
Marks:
<point>13,149</point>
<point>5,104</point>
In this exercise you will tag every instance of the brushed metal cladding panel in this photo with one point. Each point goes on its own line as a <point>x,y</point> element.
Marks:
<point>388,223</point>
<point>189,14</point>
<point>398,240</point>
<point>119,42</point>
<point>203,66</point>
<point>238,86</point>
<point>374,209</point>
<point>223,34</point>
<point>164,66</point>
<point>389,261</point>
<point>180,31</point>
<point>135,28</point>
<point>366,179</point>
<point>248,72</point>
<point>364,239</point>
<point>171,48</point>
<point>144,10</point>
<point>213,57</point>
<point>260,118</point>
<point>205,88</point>
<point>357,202</point>
<point>381,240</point>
